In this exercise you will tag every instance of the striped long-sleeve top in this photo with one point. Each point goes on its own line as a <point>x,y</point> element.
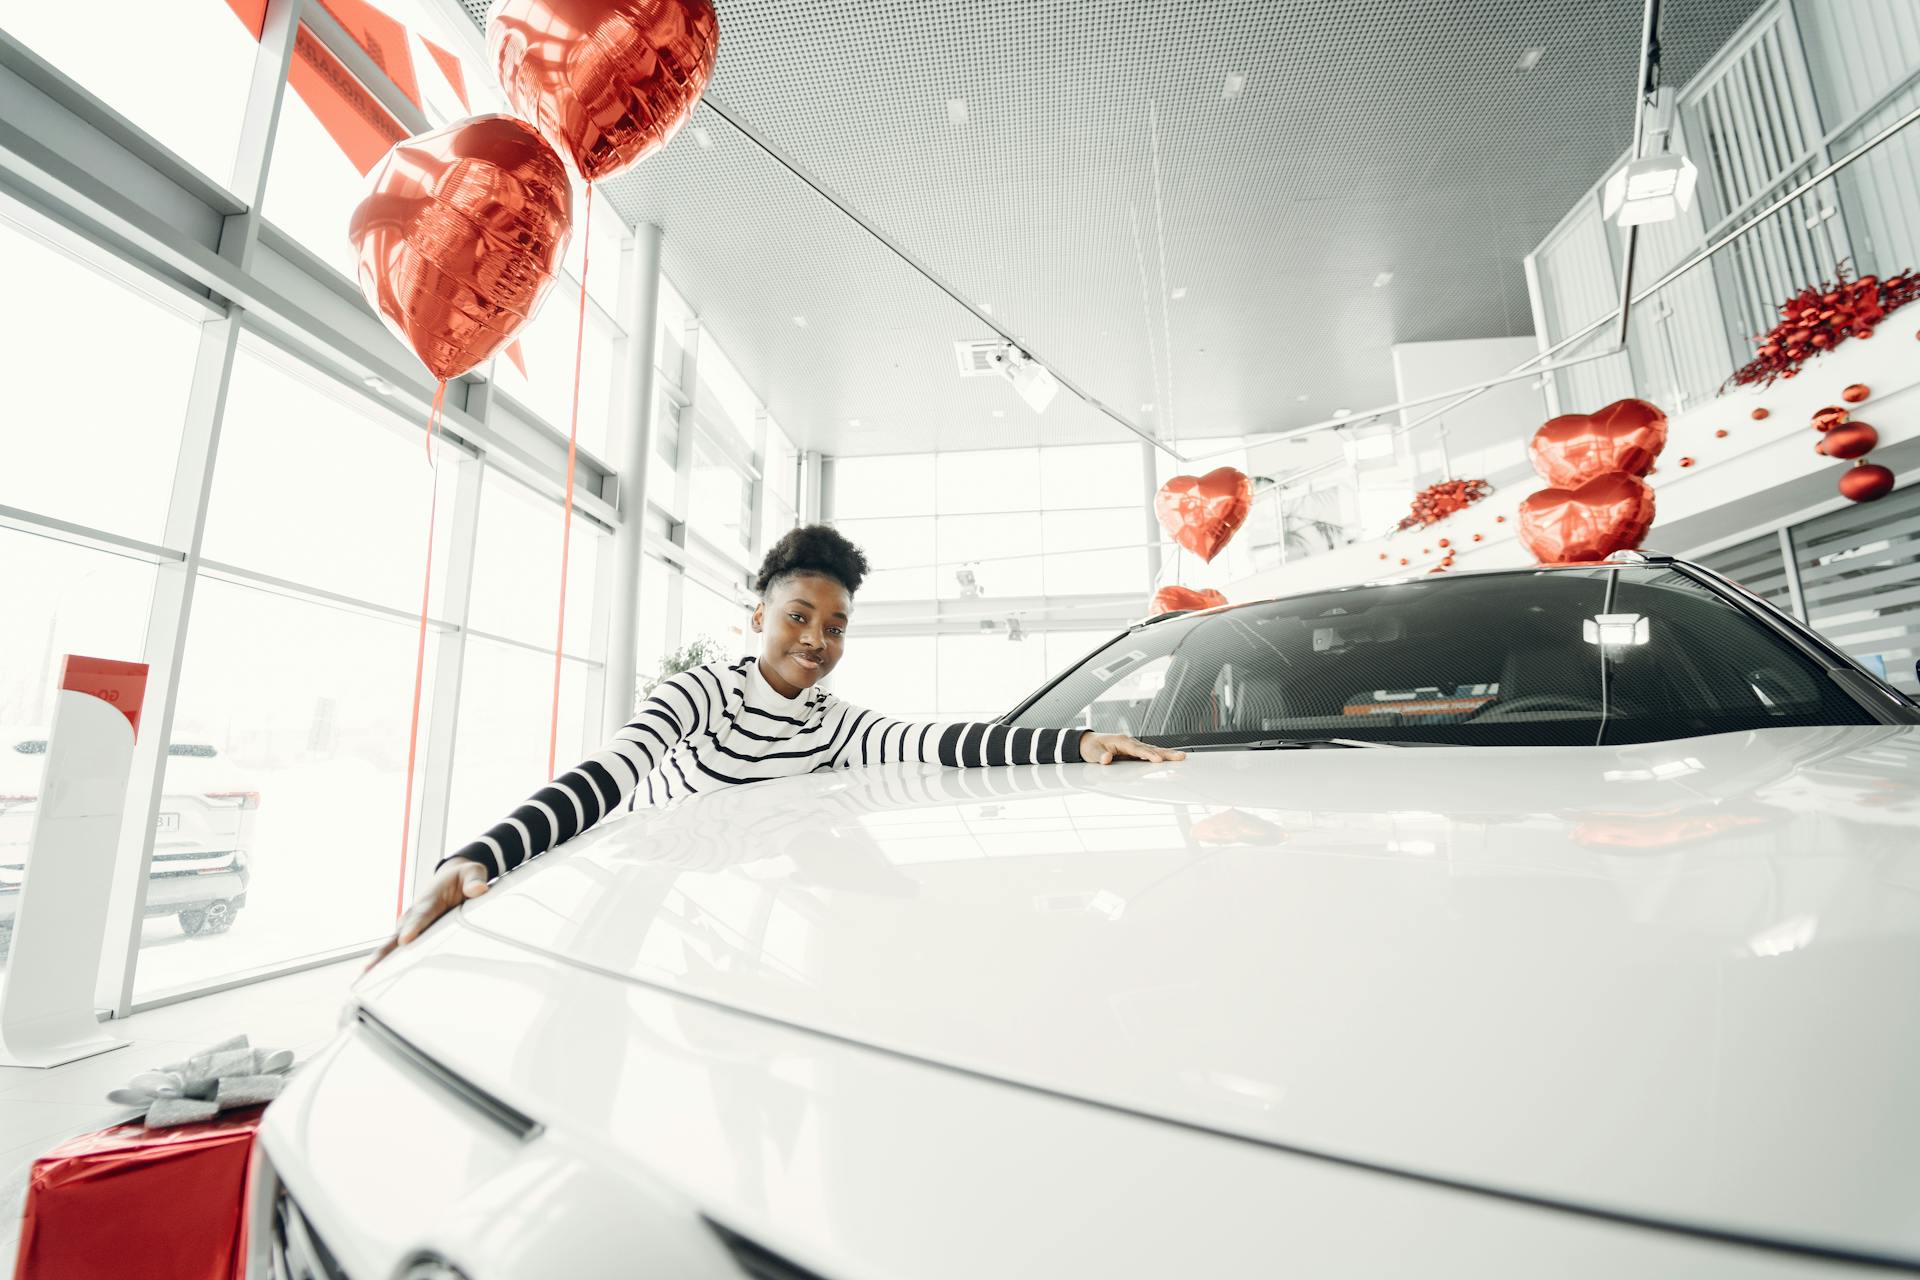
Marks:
<point>722,724</point>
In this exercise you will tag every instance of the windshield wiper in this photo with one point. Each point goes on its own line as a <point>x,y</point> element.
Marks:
<point>1289,744</point>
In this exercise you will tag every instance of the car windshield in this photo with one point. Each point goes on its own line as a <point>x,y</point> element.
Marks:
<point>1552,657</point>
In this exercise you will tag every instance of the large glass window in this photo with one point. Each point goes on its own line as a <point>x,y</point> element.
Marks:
<point>516,568</point>
<point>76,448</point>
<point>893,675</point>
<point>178,71</point>
<point>546,348</point>
<point>280,818</point>
<point>62,599</point>
<point>722,499</point>
<point>355,522</point>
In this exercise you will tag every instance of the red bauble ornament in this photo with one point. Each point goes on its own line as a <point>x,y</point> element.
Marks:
<point>1721,434</point>
<point>1202,513</point>
<point>1403,559</point>
<point>1179,599</point>
<point>1866,481</point>
<point>1608,514</point>
<point>1760,415</point>
<point>1446,542</point>
<point>1574,448</point>
<point>607,81</point>
<point>1849,440</point>
<point>1686,462</point>
<point>459,237</point>
<point>1830,417</point>
<point>1477,537</point>
<point>1856,393</point>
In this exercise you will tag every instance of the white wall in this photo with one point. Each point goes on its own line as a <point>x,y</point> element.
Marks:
<point>1489,432</point>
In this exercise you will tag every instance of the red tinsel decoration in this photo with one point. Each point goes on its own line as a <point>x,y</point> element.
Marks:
<point>1820,318</point>
<point>1438,501</point>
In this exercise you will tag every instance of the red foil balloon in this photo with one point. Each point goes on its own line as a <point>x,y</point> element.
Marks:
<point>1626,436</point>
<point>1605,515</point>
<point>1849,440</point>
<point>607,81</point>
<point>1866,481</point>
<point>1203,513</point>
<point>1176,599</point>
<point>459,237</point>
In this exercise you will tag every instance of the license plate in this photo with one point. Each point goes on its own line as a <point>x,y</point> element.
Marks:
<point>167,822</point>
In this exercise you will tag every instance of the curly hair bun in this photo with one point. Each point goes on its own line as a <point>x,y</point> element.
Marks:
<point>814,548</point>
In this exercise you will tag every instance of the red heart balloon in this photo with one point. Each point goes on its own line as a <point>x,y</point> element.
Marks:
<point>1604,515</point>
<point>1178,599</point>
<point>1203,513</point>
<point>459,237</point>
<point>607,81</point>
<point>1626,436</point>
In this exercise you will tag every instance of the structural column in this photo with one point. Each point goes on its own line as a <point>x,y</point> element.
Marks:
<point>635,409</point>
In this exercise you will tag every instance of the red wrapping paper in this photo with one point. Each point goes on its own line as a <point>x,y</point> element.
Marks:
<point>161,1204</point>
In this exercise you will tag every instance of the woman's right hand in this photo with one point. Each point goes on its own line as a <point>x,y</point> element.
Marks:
<point>453,884</point>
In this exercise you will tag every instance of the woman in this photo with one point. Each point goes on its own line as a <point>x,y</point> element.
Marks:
<point>748,720</point>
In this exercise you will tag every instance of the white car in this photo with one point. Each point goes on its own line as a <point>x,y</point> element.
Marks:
<point>202,836</point>
<point>1552,922</point>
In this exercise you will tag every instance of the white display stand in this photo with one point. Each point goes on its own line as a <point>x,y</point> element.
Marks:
<point>46,998</point>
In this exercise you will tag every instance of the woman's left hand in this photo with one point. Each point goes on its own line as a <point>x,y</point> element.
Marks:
<point>1105,748</point>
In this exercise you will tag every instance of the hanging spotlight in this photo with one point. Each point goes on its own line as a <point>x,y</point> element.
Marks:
<point>1033,380</point>
<point>1653,189</point>
<point>1013,630</point>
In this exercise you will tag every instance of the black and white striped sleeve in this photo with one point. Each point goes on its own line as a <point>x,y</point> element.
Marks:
<point>869,738</point>
<point>596,786</point>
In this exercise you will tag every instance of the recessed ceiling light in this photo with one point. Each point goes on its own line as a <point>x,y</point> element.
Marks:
<point>987,307</point>
<point>1382,280</point>
<point>853,422</point>
<point>702,137</point>
<point>1301,398</point>
<point>1530,58</point>
<point>1343,413</point>
<point>800,321</point>
<point>999,413</point>
<point>1179,292</point>
<point>1236,84</point>
<point>378,384</point>
<point>956,110</point>
<point>1146,406</point>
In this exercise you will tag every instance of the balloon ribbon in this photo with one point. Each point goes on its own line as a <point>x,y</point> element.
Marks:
<point>566,518</point>
<point>420,652</point>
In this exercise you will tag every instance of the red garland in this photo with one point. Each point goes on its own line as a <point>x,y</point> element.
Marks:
<point>1438,501</point>
<point>1820,318</point>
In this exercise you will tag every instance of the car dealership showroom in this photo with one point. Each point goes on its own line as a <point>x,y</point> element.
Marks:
<point>910,640</point>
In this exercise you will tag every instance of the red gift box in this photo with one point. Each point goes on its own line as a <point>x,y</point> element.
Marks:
<point>161,1204</point>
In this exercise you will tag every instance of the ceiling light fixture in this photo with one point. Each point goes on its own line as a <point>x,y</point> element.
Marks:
<point>1382,280</point>
<point>1179,292</point>
<point>800,321</point>
<point>1302,398</point>
<point>1033,380</point>
<point>1651,189</point>
<point>1236,84</point>
<point>1343,413</point>
<point>1530,58</point>
<point>987,307</point>
<point>702,137</point>
<point>853,422</point>
<point>999,413</point>
<point>1146,406</point>
<point>378,385</point>
<point>956,110</point>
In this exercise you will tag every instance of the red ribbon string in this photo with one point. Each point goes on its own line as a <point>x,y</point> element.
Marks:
<point>420,653</point>
<point>566,518</point>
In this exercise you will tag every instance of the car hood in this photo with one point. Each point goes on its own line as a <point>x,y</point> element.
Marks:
<point>1671,980</point>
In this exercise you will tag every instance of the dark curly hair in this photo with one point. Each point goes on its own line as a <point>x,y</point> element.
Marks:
<point>814,548</point>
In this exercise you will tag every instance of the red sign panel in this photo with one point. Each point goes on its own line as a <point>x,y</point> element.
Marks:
<point>124,684</point>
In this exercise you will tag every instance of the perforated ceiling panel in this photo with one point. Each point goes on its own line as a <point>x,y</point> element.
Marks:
<point>1158,236</point>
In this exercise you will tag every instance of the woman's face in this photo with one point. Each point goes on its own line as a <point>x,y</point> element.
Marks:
<point>804,619</point>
